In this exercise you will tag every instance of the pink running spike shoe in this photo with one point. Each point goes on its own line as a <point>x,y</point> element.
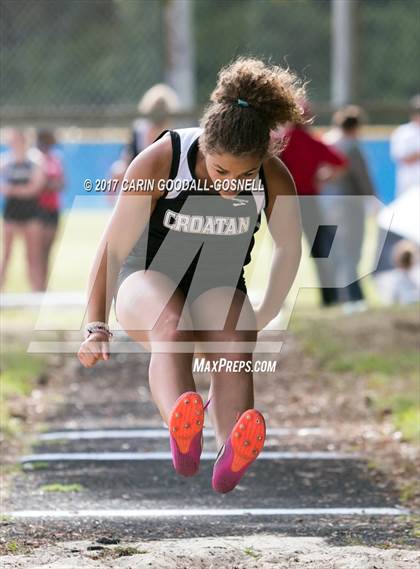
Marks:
<point>240,450</point>
<point>186,433</point>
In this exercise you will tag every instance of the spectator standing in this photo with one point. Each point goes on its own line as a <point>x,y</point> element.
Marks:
<point>305,155</point>
<point>348,214</point>
<point>405,285</point>
<point>158,103</point>
<point>405,150</point>
<point>21,182</point>
<point>49,197</point>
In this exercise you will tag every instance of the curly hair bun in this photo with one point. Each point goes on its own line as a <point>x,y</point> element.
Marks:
<point>250,100</point>
<point>272,91</point>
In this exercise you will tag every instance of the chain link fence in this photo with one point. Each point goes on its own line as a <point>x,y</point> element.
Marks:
<point>89,61</point>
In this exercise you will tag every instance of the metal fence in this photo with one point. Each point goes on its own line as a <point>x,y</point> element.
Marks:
<point>89,61</point>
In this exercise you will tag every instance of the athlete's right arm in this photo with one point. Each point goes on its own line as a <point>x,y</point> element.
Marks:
<point>129,218</point>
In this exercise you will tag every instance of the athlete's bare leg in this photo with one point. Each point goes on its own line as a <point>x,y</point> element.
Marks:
<point>230,392</point>
<point>33,242</point>
<point>10,231</point>
<point>141,298</point>
<point>48,234</point>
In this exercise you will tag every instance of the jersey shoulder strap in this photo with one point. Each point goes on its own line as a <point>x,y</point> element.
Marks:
<point>264,183</point>
<point>176,151</point>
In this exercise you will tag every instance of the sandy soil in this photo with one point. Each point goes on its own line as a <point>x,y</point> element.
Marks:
<point>252,552</point>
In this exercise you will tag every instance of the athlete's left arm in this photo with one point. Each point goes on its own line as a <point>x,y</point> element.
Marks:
<point>284,224</point>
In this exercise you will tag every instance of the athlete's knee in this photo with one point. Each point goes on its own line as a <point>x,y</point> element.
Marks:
<point>171,327</point>
<point>133,316</point>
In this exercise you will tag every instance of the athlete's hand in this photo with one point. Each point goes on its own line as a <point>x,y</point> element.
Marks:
<point>95,348</point>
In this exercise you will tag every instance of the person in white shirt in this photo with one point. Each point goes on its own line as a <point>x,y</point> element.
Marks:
<point>159,102</point>
<point>405,150</point>
<point>405,285</point>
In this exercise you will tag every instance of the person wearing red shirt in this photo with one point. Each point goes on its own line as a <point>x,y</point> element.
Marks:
<point>305,156</point>
<point>49,197</point>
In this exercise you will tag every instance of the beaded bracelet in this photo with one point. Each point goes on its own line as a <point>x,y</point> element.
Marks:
<point>93,327</point>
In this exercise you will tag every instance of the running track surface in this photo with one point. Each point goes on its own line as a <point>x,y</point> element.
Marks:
<point>109,439</point>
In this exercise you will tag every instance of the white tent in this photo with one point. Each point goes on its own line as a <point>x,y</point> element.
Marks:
<point>402,216</point>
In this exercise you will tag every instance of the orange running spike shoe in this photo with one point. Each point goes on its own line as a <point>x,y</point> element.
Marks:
<point>186,433</point>
<point>240,450</point>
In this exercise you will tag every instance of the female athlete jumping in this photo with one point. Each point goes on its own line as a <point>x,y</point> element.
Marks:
<point>179,287</point>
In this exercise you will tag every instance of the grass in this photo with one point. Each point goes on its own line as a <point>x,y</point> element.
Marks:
<point>74,248</point>
<point>408,491</point>
<point>118,551</point>
<point>251,553</point>
<point>74,251</point>
<point>63,488</point>
<point>37,465</point>
<point>18,373</point>
<point>79,233</point>
<point>12,547</point>
<point>401,402</point>
<point>124,551</point>
<point>73,254</point>
<point>415,532</point>
<point>16,548</point>
<point>391,369</point>
<point>54,442</point>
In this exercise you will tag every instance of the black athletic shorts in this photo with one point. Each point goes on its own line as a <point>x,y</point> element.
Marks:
<point>207,284</point>
<point>47,216</point>
<point>184,285</point>
<point>20,209</point>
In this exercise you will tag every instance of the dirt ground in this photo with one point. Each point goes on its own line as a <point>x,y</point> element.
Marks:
<point>254,552</point>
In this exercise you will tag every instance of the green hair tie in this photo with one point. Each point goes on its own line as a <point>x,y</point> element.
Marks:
<point>242,103</point>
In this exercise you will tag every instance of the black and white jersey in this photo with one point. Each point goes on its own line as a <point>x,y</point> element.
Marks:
<point>192,227</point>
<point>17,172</point>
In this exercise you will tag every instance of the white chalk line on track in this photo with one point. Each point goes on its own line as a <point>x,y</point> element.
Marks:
<point>160,433</point>
<point>162,455</point>
<point>153,513</point>
<point>178,513</point>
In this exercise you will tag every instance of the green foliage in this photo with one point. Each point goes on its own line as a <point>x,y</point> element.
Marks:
<point>64,488</point>
<point>388,49</point>
<point>366,363</point>
<point>12,547</point>
<point>18,371</point>
<point>97,53</point>
<point>391,372</point>
<point>37,465</point>
<point>408,492</point>
<point>252,553</point>
<point>110,52</point>
<point>266,29</point>
<point>125,551</point>
<point>16,548</point>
